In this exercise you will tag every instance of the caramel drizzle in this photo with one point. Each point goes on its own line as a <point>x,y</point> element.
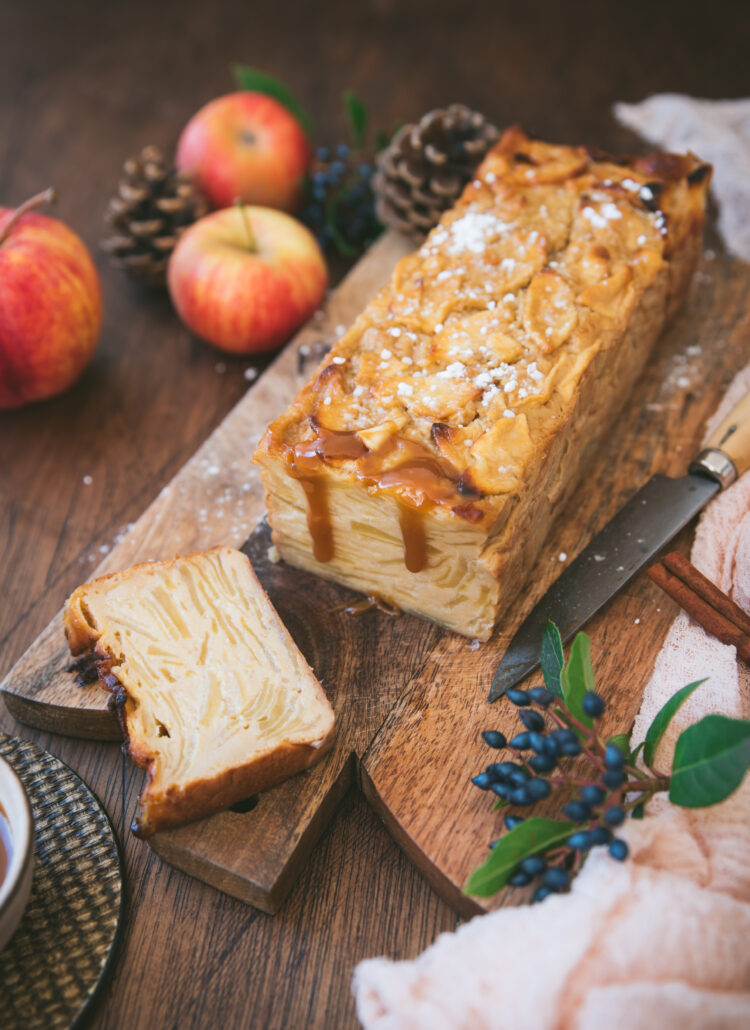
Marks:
<point>305,467</point>
<point>414,538</point>
<point>420,481</point>
<point>318,516</point>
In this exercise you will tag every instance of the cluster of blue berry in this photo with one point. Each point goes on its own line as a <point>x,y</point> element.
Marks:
<point>600,805</point>
<point>340,204</point>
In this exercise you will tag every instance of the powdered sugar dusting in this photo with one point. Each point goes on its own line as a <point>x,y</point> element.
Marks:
<point>472,232</point>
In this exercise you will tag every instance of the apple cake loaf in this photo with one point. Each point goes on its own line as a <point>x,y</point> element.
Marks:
<point>427,458</point>
<point>214,698</point>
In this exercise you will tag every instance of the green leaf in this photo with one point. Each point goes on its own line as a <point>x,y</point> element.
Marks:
<point>260,82</point>
<point>710,761</point>
<point>636,751</point>
<point>622,742</point>
<point>578,677</point>
<point>663,718</point>
<point>552,659</point>
<point>356,112</point>
<point>637,812</point>
<point>527,838</point>
<point>500,803</point>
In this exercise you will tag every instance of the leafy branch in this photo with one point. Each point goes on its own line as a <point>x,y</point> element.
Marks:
<point>560,724</point>
<point>339,200</point>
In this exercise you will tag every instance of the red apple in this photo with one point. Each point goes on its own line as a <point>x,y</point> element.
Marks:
<point>50,305</point>
<point>246,146</point>
<point>246,277</point>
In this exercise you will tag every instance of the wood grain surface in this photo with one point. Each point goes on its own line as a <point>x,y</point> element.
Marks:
<point>84,84</point>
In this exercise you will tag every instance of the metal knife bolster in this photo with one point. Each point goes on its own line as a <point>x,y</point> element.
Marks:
<point>715,463</point>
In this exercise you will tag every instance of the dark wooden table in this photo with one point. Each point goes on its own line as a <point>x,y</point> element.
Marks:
<point>82,85</point>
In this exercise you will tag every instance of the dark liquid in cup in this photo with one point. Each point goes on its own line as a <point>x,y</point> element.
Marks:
<point>4,844</point>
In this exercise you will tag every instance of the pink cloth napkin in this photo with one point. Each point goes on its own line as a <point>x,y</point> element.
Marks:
<point>659,941</point>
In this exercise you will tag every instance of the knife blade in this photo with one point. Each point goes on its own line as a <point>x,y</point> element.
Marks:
<point>649,520</point>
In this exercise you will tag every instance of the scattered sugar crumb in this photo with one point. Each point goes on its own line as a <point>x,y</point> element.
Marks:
<point>212,470</point>
<point>562,556</point>
<point>250,373</point>
<point>456,370</point>
<point>87,480</point>
<point>475,645</point>
<point>273,554</point>
<point>221,367</point>
<point>340,330</point>
<point>637,622</point>
<point>471,232</point>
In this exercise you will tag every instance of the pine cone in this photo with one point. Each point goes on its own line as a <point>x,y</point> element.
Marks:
<point>153,206</point>
<point>426,166</point>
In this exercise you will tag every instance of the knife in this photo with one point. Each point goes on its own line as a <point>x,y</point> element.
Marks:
<point>648,521</point>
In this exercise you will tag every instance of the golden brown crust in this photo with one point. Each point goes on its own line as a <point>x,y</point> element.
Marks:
<point>472,353</point>
<point>430,453</point>
<point>176,806</point>
<point>171,803</point>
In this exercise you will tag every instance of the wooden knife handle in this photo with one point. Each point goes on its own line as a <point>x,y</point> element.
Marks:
<point>732,439</point>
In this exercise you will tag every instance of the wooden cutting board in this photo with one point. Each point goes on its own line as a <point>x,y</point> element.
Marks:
<point>410,699</point>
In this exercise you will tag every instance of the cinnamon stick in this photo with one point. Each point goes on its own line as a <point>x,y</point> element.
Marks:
<point>680,566</point>
<point>703,601</point>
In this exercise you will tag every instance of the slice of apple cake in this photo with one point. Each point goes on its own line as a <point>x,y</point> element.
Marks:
<point>428,457</point>
<point>215,700</point>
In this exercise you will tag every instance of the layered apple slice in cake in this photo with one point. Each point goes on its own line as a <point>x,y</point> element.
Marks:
<point>215,700</point>
<point>429,455</point>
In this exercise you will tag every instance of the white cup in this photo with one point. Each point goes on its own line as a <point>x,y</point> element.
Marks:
<point>16,884</point>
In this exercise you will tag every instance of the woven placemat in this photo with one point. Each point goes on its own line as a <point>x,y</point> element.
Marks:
<point>51,967</point>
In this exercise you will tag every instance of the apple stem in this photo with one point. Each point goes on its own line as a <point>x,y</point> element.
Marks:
<point>47,196</point>
<point>252,243</point>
